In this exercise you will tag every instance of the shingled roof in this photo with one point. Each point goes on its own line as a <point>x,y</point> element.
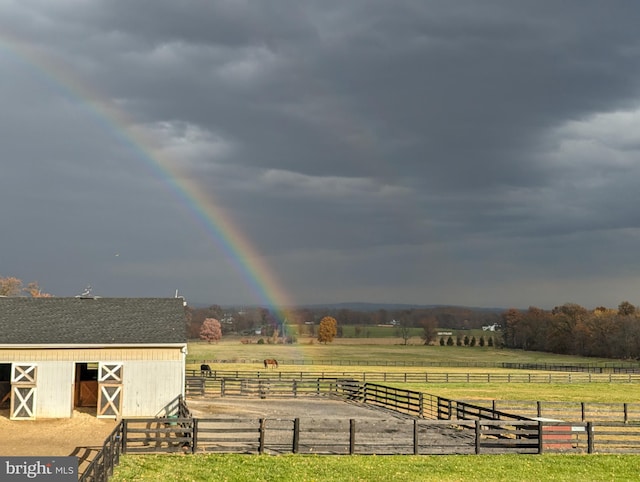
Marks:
<point>79,321</point>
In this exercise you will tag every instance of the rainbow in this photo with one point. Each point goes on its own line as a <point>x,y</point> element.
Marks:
<point>216,222</point>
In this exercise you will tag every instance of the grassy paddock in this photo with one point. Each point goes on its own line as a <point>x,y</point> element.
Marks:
<point>550,392</point>
<point>363,355</point>
<point>300,468</point>
<point>369,351</point>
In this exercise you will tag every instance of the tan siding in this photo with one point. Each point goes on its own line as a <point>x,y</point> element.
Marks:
<point>89,354</point>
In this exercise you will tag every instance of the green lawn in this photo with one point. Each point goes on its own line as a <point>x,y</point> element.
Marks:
<point>372,351</point>
<point>359,358</point>
<point>302,468</point>
<point>561,392</point>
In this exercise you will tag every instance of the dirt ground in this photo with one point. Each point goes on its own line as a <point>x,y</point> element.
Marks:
<point>82,435</point>
<point>304,407</point>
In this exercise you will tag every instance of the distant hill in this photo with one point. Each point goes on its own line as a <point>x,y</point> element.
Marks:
<point>364,306</point>
<point>360,306</point>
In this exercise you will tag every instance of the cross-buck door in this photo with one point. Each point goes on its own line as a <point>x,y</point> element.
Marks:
<point>109,390</point>
<point>23,391</point>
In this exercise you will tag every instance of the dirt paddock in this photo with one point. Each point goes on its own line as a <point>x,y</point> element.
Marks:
<point>84,433</point>
<point>283,408</point>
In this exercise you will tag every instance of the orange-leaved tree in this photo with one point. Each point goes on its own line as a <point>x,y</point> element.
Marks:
<point>11,286</point>
<point>327,330</point>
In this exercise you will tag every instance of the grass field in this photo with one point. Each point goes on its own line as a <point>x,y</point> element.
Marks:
<point>299,468</point>
<point>356,358</point>
<point>373,351</point>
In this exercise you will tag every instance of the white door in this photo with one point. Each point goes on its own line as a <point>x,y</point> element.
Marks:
<point>23,391</point>
<point>109,390</point>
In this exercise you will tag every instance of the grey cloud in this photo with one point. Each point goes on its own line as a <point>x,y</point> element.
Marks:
<point>411,150</point>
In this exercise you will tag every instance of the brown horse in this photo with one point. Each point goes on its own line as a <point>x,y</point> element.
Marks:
<point>271,362</point>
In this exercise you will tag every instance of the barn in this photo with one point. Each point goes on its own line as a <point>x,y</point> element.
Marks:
<point>115,357</point>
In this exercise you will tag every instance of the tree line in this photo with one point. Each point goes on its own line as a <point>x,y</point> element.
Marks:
<point>574,330</point>
<point>245,321</point>
<point>12,286</point>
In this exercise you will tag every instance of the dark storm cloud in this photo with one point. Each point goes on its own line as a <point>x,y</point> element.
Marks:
<point>453,152</point>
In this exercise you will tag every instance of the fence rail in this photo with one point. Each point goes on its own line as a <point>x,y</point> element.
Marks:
<point>380,437</point>
<point>425,377</point>
<point>606,367</point>
<point>433,425</point>
<point>101,467</point>
<point>582,411</point>
<point>108,457</point>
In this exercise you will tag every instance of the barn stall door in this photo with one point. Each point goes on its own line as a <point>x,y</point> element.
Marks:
<point>109,390</point>
<point>23,391</point>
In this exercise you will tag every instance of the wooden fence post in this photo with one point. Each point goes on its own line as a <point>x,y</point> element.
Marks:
<point>124,436</point>
<point>261,431</point>
<point>477,440</point>
<point>416,444</point>
<point>582,410</point>
<point>194,435</point>
<point>540,437</point>
<point>296,436</point>
<point>222,387</point>
<point>590,441</point>
<point>352,436</point>
<point>539,408</point>
<point>626,412</point>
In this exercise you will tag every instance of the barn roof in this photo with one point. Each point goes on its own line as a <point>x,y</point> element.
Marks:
<point>90,321</point>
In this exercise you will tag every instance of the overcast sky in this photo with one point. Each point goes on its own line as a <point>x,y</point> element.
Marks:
<point>425,152</point>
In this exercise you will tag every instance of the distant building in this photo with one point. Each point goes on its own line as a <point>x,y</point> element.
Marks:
<point>123,356</point>
<point>493,327</point>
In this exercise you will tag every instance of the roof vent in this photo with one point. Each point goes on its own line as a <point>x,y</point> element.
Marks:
<point>86,294</point>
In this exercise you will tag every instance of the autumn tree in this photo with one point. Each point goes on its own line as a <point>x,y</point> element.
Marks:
<point>511,321</point>
<point>34,290</point>
<point>626,309</point>
<point>10,286</point>
<point>210,330</point>
<point>429,329</point>
<point>327,330</point>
